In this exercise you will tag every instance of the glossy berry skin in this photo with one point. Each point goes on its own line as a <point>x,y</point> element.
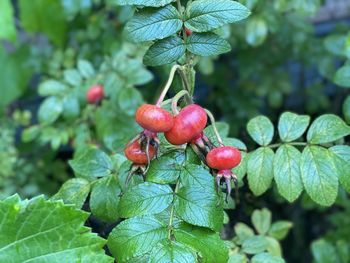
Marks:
<point>95,94</point>
<point>188,124</point>
<point>188,32</point>
<point>135,154</point>
<point>153,118</point>
<point>224,158</point>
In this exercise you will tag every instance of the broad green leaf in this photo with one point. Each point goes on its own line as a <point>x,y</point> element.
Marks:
<point>73,191</point>
<point>154,3</point>
<point>286,169</point>
<point>92,163</point>
<point>151,24</point>
<point>256,31</point>
<point>327,128</point>
<point>280,229</point>
<point>243,232</point>
<point>71,107</point>
<point>235,143</point>
<point>198,176</point>
<point>46,231</point>
<point>31,133</point>
<point>254,245</point>
<point>266,258</point>
<point>346,109</point>
<point>323,252</point>
<point>342,77</point>
<point>222,127</point>
<point>241,169</point>
<point>201,239</point>
<point>136,237</point>
<point>335,44</point>
<point>342,164</point>
<point>261,220</point>
<point>273,246</point>
<point>51,88</point>
<point>104,199</point>
<point>198,207</point>
<point>291,126</point>
<point>207,15</point>
<point>72,77</point>
<point>40,16</point>
<point>172,252</point>
<point>165,169</point>
<point>237,258</point>
<point>207,44</point>
<point>261,130</point>
<point>145,199</point>
<point>129,100</point>
<point>50,110</point>
<point>319,175</point>
<point>7,23</point>
<point>260,170</point>
<point>165,51</point>
<point>85,68</point>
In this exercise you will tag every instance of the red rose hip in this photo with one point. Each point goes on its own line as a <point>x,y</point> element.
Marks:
<point>188,124</point>
<point>224,158</point>
<point>153,118</point>
<point>188,32</point>
<point>135,154</point>
<point>95,94</point>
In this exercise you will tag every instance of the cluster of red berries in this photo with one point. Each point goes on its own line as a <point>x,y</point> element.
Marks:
<point>185,127</point>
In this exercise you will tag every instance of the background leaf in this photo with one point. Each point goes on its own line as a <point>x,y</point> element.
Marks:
<point>261,130</point>
<point>291,126</point>
<point>155,3</point>
<point>261,220</point>
<point>7,23</point>
<point>342,164</point>
<point>50,110</point>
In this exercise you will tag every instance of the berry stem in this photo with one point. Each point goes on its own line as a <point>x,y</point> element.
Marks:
<point>171,219</point>
<point>168,84</point>
<point>212,120</point>
<point>176,99</point>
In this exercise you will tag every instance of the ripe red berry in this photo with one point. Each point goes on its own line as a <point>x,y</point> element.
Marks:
<point>95,94</point>
<point>224,158</point>
<point>153,118</point>
<point>188,124</point>
<point>135,154</point>
<point>188,32</point>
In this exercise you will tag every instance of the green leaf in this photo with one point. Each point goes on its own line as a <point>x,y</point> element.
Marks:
<point>198,207</point>
<point>50,110</point>
<point>40,16</point>
<point>200,239</point>
<point>319,175</point>
<point>327,128</point>
<point>71,107</point>
<point>243,232</point>
<point>129,100</point>
<point>346,109</point>
<point>198,176</point>
<point>273,246</point>
<point>286,169</point>
<point>260,170</point>
<point>291,126</point>
<point>335,44</point>
<point>256,31</point>
<point>136,237</point>
<point>165,51</point>
<point>254,245</point>
<point>261,130</point>
<point>151,24</point>
<point>74,191</point>
<point>323,252</point>
<point>280,229</point>
<point>30,133</point>
<point>145,199</point>
<point>85,68</point>
<point>46,231</point>
<point>207,15</point>
<point>7,23</point>
<point>222,127</point>
<point>104,199</point>
<point>92,163</point>
<point>237,258</point>
<point>72,77</point>
<point>261,220</point>
<point>342,163</point>
<point>52,88</point>
<point>154,3</point>
<point>166,169</point>
<point>207,44</point>
<point>342,77</point>
<point>172,252</point>
<point>266,258</point>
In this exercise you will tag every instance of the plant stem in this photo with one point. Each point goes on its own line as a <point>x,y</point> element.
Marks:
<point>171,219</point>
<point>168,84</point>
<point>289,143</point>
<point>176,99</point>
<point>212,120</point>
